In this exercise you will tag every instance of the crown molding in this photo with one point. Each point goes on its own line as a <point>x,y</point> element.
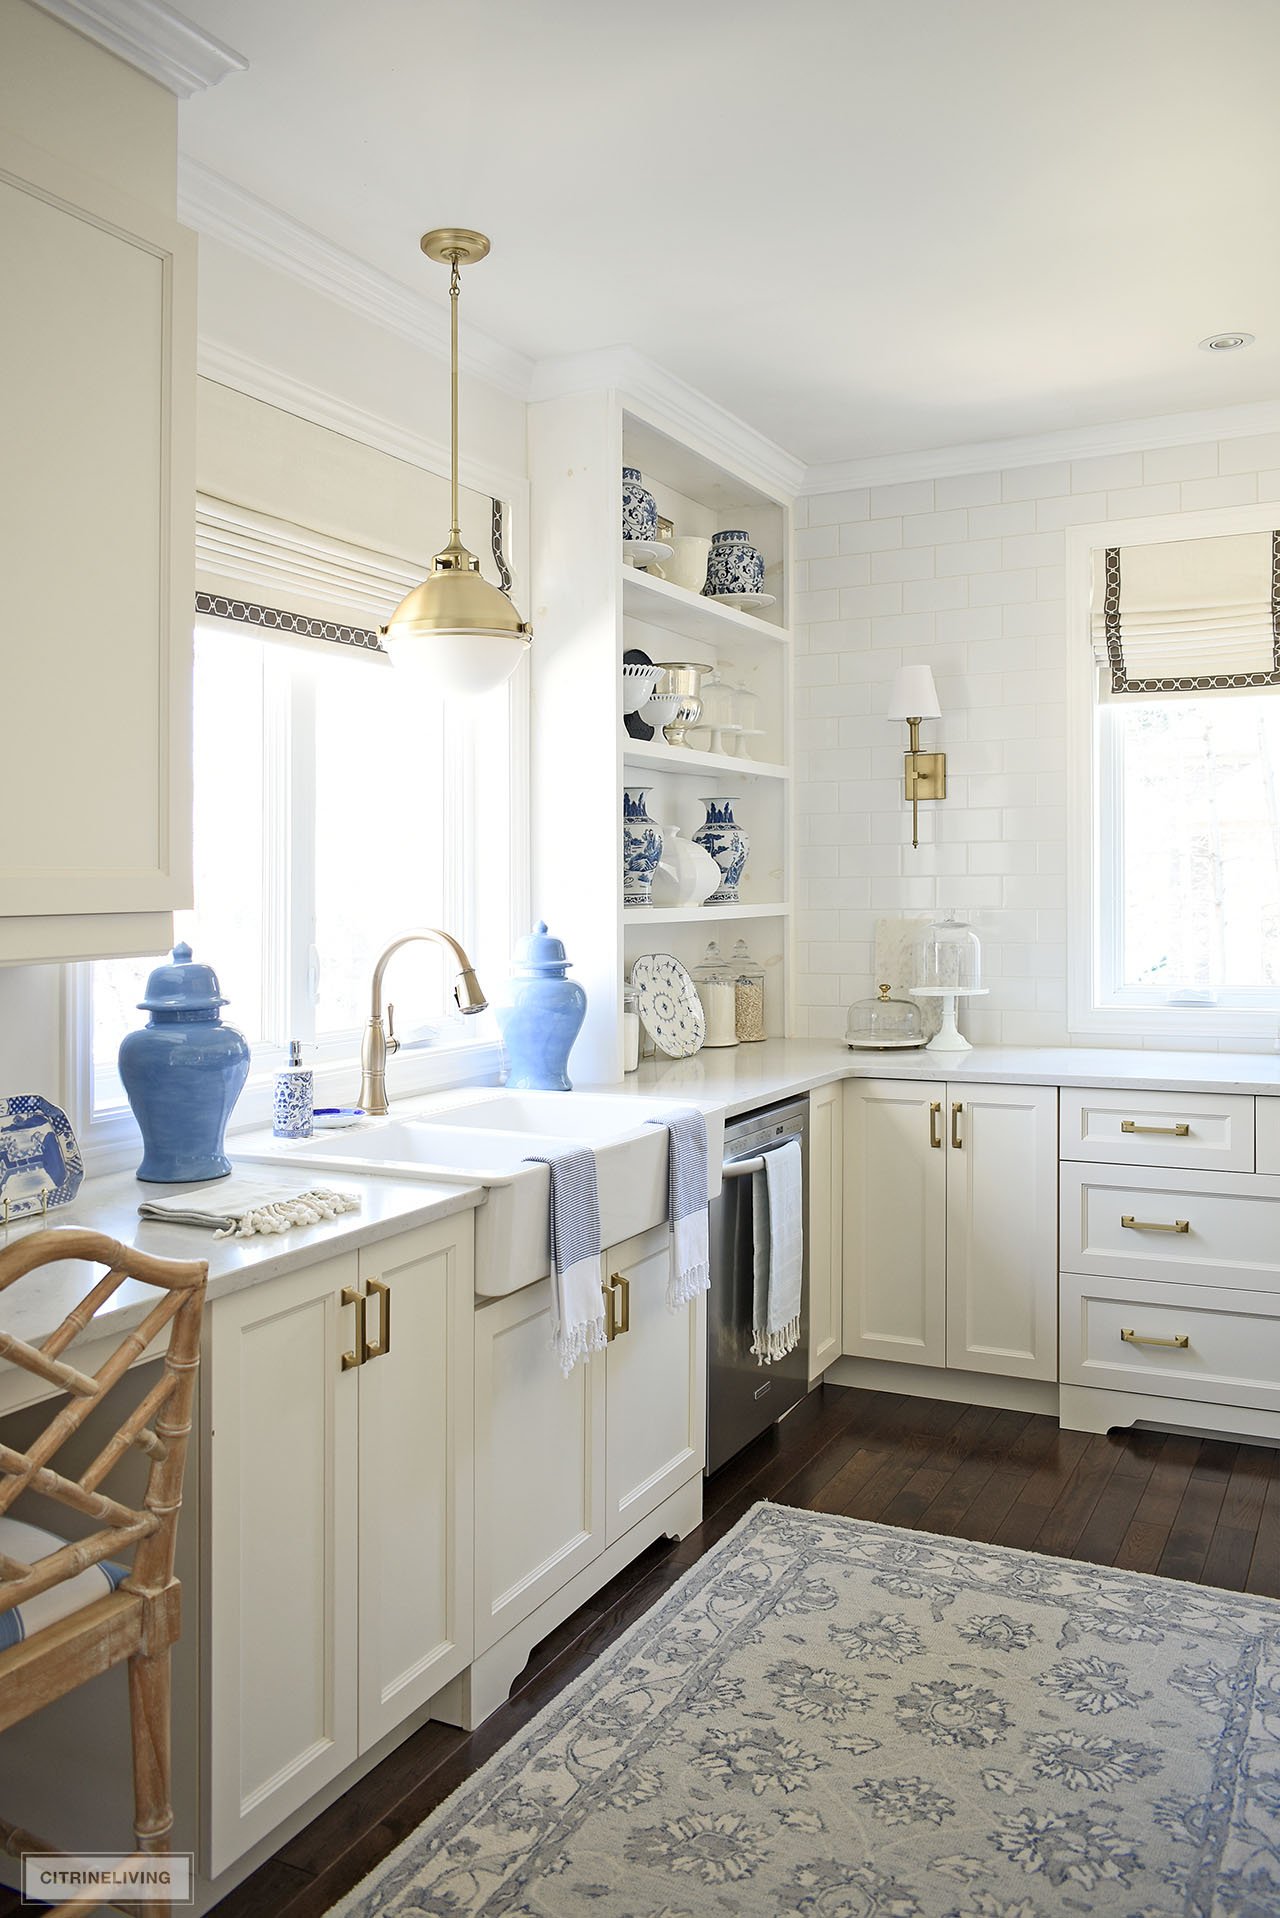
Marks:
<point>677,407</point>
<point>225,366</point>
<point>153,38</point>
<point>1072,443</point>
<point>220,210</point>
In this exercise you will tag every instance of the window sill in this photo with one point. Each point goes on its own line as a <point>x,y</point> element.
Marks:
<point>1226,1025</point>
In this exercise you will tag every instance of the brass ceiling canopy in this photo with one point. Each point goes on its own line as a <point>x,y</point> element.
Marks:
<point>464,630</point>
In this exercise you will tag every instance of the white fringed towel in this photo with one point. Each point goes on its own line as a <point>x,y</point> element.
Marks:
<point>576,1294</point>
<point>777,1215</point>
<point>687,1205</point>
<point>247,1208</point>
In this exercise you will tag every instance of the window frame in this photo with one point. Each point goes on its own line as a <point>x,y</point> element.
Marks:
<point>110,1140</point>
<point>1097,1009</point>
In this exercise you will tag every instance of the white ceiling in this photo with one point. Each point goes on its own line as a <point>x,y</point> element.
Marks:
<point>865,226</point>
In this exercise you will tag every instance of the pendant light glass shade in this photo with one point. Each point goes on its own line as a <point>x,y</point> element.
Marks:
<point>456,626</point>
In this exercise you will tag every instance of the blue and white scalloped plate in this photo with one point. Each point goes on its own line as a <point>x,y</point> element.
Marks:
<point>668,1003</point>
<point>40,1163</point>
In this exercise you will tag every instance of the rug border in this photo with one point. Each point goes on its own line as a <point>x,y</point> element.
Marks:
<point>345,1904</point>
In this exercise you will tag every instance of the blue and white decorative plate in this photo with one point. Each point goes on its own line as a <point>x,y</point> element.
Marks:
<point>668,1003</point>
<point>40,1163</point>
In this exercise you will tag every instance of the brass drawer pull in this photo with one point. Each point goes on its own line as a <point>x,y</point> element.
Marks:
<point>935,1113</point>
<point>1154,1225</point>
<point>1180,1340</point>
<point>957,1107</point>
<point>622,1318</point>
<point>606,1293</point>
<point>349,1296</point>
<point>1178,1131</point>
<point>376,1289</point>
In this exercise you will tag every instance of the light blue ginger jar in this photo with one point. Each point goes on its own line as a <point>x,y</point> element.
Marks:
<point>183,1072</point>
<point>722,836</point>
<point>641,847</point>
<point>540,1015</point>
<point>639,508</point>
<point>734,565</point>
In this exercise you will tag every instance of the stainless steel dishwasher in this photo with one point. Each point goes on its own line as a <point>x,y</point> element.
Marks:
<point>744,1397</point>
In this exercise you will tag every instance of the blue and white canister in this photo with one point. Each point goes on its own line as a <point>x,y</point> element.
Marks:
<point>639,508</point>
<point>722,836</point>
<point>641,847</point>
<point>734,565</point>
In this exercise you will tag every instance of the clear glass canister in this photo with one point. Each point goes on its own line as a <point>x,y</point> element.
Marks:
<point>884,1022</point>
<point>748,994</point>
<point>715,984</point>
<point>949,957</point>
<point>630,1029</point>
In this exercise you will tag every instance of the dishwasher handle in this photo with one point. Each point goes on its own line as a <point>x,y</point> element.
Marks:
<point>741,1168</point>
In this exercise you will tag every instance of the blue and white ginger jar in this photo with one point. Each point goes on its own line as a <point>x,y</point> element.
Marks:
<point>639,508</point>
<point>734,565</point>
<point>641,847</point>
<point>540,1014</point>
<point>183,1072</point>
<point>722,836</point>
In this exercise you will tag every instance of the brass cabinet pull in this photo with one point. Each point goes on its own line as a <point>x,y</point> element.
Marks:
<point>376,1289</point>
<point>1178,1131</point>
<point>957,1107</point>
<point>1154,1225</point>
<point>350,1360</point>
<point>606,1292</point>
<point>1180,1340</point>
<point>622,1319</point>
<point>935,1113</point>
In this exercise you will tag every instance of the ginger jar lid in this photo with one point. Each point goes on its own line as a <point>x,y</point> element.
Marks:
<point>182,986</point>
<point>540,951</point>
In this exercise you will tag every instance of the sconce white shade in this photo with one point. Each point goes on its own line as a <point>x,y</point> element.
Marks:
<point>913,694</point>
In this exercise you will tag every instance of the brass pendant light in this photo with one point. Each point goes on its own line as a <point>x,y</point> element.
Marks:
<point>464,631</point>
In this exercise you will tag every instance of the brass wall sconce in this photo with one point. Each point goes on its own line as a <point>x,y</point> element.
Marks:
<point>913,697</point>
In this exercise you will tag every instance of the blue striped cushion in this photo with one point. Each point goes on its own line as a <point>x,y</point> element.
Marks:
<point>28,1543</point>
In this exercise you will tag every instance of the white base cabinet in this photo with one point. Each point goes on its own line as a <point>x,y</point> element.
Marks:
<point>336,1502</point>
<point>825,1227</point>
<point>950,1226</point>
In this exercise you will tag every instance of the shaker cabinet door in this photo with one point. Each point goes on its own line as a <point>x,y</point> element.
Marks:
<point>895,1221</point>
<point>825,1226</point>
<point>656,1419</point>
<point>1002,1230</point>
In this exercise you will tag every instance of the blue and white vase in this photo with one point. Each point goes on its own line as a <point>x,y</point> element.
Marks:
<point>539,1015</point>
<point>641,847</point>
<point>183,1072</point>
<point>639,508</point>
<point>734,566</point>
<point>722,836</point>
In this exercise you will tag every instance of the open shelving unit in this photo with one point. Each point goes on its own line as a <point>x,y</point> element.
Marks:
<point>589,607</point>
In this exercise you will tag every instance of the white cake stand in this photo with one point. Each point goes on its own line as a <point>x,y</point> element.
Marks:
<point>949,1037</point>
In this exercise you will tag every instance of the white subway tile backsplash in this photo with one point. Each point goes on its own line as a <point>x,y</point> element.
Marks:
<point>967,489</point>
<point>871,602</point>
<point>1034,618</point>
<point>907,496</point>
<point>1180,462</point>
<point>930,529</point>
<point>816,542</point>
<point>810,607</point>
<point>1036,482</point>
<point>1075,509</point>
<point>1001,589</point>
<point>1100,475</point>
<point>967,556</point>
<point>833,509</point>
<point>994,522</point>
<point>934,595</point>
<point>1249,455</point>
<point>967,624</point>
<point>1032,549</point>
<point>1233,489</point>
<point>870,535</point>
<point>904,563</point>
<point>845,569</point>
<point>1136,502</point>
<point>911,631</point>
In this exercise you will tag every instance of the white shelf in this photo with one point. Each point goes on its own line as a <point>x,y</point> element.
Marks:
<point>658,603</point>
<point>696,915</point>
<point>647,755</point>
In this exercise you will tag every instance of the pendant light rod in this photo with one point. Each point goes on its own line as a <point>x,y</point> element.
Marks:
<point>455,288</point>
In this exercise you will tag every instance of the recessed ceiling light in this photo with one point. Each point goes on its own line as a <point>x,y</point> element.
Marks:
<point>1226,342</point>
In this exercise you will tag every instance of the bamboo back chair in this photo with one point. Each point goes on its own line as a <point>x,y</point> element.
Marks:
<point>140,1619</point>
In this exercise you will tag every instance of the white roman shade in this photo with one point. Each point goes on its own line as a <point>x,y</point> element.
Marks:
<point>1191,615</point>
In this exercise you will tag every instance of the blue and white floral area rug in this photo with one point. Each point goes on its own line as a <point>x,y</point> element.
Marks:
<point>834,1719</point>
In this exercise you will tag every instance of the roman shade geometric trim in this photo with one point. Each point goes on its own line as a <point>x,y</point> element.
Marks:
<point>274,621</point>
<point>1198,615</point>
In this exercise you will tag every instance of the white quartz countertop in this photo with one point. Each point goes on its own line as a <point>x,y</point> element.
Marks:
<point>739,1078</point>
<point>36,1305</point>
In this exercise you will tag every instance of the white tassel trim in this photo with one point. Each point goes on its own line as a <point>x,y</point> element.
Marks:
<point>769,1346</point>
<point>574,1342</point>
<point>684,1287</point>
<point>308,1208</point>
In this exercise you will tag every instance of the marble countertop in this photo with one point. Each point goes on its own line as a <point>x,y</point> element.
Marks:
<point>37,1304</point>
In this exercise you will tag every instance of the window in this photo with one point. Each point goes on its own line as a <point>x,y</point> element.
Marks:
<point>1175,920</point>
<point>337,802</point>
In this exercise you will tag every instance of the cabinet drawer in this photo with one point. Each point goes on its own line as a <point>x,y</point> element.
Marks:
<point>1269,1135</point>
<point>1193,1228</point>
<point>1231,1355</point>
<point>1211,1131</point>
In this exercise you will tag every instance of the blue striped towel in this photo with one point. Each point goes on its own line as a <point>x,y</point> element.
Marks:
<point>687,1204</point>
<point>576,1296</point>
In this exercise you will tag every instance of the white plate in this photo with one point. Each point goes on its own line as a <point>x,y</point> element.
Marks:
<point>885,1045</point>
<point>744,602</point>
<point>668,1003</point>
<point>642,552</point>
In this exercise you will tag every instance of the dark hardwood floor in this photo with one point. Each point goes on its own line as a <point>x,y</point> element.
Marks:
<point>1196,1509</point>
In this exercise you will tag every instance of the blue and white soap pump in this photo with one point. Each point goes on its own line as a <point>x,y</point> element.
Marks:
<point>294,1104</point>
<point>540,1015</point>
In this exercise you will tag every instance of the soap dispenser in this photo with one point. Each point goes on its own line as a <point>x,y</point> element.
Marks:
<point>294,1104</point>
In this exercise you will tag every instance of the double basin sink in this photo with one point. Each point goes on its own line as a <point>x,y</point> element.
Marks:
<point>485,1137</point>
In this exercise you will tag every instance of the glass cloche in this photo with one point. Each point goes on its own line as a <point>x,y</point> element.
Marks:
<point>884,1022</point>
<point>948,957</point>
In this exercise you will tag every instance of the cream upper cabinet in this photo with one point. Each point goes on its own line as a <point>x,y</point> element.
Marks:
<point>825,1226</point>
<point>97,488</point>
<point>951,1227</point>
